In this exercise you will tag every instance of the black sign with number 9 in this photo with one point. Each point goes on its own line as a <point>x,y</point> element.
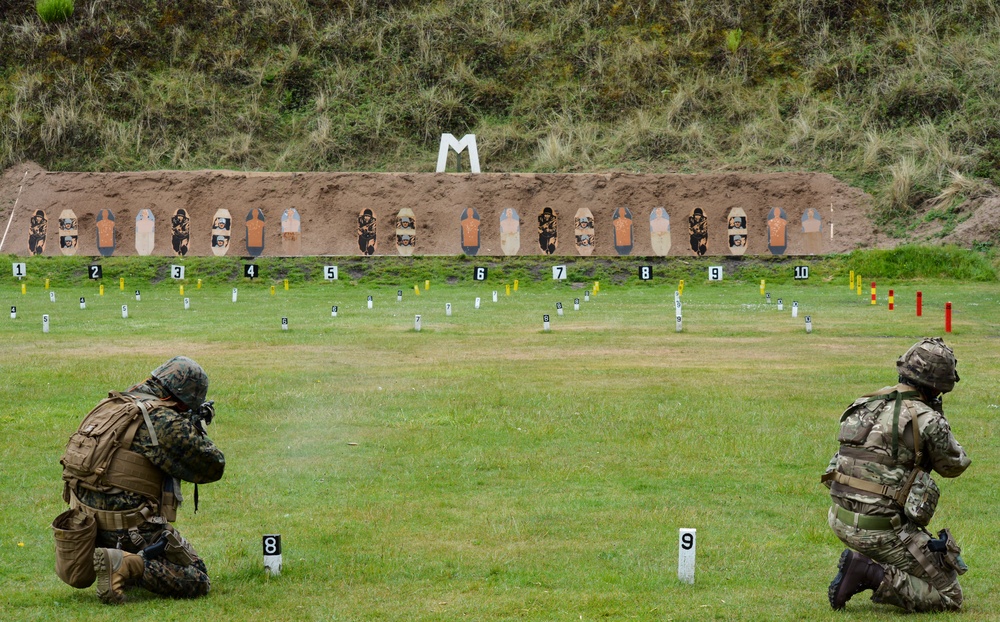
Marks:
<point>272,544</point>
<point>687,541</point>
<point>96,271</point>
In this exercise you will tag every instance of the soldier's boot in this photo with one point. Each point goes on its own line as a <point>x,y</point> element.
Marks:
<point>114,569</point>
<point>855,574</point>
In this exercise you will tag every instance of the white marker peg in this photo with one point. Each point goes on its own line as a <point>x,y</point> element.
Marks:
<point>124,312</point>
<point>187,304</point>
<point>370,302</point>
<point>52,296</point>
<point>494,296</point>
<point>767,297</point>
<point>795,309</point>
<point>447,309</point>
<point>138,297</point>
<point>679,323</point>
<point>685,559</point>
<point>576,304</point>
<point>545,323</point>
<point>781,305</point>
<point>399,295</point>
<point>416,323</point>
<point>45,323</point>
<point>284,323</point>
<point>559,308</point>
<point>809,324</point>
<point>234,294</point>
<point>586,297</point>
<point>13,312</point>
<point>83,302</point>
<point>477,303</point>
<point>272,554</point>
<point>333,311</point>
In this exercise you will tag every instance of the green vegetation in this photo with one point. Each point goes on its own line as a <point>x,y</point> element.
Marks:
<point>499,472</point>
<point>54,10</point>
<point>898,98</point>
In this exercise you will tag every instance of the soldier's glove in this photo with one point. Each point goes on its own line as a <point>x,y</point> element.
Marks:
<point>940,545</point>
<point>203,416</point>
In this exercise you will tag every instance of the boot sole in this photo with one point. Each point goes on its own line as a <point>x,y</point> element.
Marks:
<point>102,565</point>
<point>831,592</point>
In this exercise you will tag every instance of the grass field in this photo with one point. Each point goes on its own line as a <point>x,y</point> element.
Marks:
<point>482,469</point>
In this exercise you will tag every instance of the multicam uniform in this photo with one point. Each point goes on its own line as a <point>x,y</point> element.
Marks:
<point>875,451</point>
<point>182,451</point>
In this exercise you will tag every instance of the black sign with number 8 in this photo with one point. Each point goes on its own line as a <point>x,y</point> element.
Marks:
<point>646,273</point>
<point>272,544</point>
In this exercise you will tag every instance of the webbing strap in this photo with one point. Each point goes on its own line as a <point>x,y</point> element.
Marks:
<point>113,521</point>
<point>938,579</point>
<point>860,484</point>
<point>862,453</point>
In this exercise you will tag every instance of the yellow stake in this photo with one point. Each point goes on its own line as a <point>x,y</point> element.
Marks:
<point>121,283</point>
<point>199,283</point>
<point>515,285</point>
<point>762,287</point>
<point>24,288</point>
<point>680,287</point>
<point>852,279</point>
<point>102,289</point>
<point>416,289</point>
<point>873,292</point>
<point>427,285</point>
<point>507,285</point>
<point>272,290</point>
<point>182,290</point>
<point>46,283</point>
<point>286,285</point>
<point>857,280</point>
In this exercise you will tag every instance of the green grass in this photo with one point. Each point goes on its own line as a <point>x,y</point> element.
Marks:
<point>500,472</point>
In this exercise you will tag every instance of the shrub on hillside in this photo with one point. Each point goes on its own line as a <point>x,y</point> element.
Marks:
<point>54,10</point>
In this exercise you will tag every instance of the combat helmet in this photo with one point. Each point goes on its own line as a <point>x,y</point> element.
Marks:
<point>185,380</point>
<point>929,363</point>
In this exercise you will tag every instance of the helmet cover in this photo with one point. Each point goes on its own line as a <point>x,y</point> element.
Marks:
<point>931,363</point>
<point>185,380</point>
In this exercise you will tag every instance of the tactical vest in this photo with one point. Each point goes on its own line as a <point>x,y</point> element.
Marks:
<point>98,457</point>
<point>856,446</point>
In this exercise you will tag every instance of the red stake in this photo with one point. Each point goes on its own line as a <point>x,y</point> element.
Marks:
<point>920,304</point>
<point>947,317</point>
<point>892,301</point>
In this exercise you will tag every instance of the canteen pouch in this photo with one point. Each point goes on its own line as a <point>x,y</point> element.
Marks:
<point>178,551</point>
<point>922,499</point>
<point>75,533</point>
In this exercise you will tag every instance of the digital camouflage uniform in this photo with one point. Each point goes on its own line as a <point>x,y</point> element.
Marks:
<point>183,452</point>
<point>866,452</point>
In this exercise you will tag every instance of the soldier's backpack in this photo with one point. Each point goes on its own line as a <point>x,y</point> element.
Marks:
<point>92,459</point>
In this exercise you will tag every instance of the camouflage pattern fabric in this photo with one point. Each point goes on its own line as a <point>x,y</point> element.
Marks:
<point>184,452</point>
<point>906,584</point>
<point>868,426</point>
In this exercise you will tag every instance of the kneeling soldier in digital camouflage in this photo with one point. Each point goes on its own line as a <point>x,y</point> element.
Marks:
<point>883,494</point>
<point>131,488</point>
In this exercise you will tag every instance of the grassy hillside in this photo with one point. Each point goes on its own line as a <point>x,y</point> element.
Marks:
<point>898,97</point>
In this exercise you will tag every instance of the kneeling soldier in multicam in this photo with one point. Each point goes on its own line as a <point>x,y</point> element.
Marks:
<point>132,489</point>
<point>883,495</point>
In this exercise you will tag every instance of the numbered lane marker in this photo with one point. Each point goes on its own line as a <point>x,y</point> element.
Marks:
<point>399,295</point>
<point>545,323</point>
<point>685,558</point>
<point>586,296</point>
<point>52,296</point>
<point>95,271</point>
<point>371,302</point>
<point>416,323</point>
<point>235,293</point>
<point>329,273</point>
<point>494,296</point>
<point>767,297</point>
<point>272,554</point>
<point>13,312</point>
<point>251,271</point>
<point>477,303</point>
<point>45,323</point>
<point>795,309</point>
<point>559,308</point>
<point>284,323</point>
<point>801,273</point>
<point>559,273</point>
<point>333,311</point>
<point>447,309</point>
<point>715,273</point>
<point>809,324</point>
<point>576,304</point>
<point>187,304</point>
<point>646,273</point>
<point>83,302</point>
<point>138,296</point>
<point>781,305</point>
<point>124,312</point>
<point>176,272</point>
<point>20,270</point>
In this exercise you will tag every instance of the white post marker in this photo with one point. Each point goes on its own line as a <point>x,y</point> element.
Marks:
<point>576,304</point>
<point>545,323</point>
<point>678,312</point>
<point>559,309</point>
<point>795,308</point>
<point>20,270</point>
<point>138,296</point>
<point>494,296</point>
<point>586,297</point>
<point>272,554</point>
<point>477,303</point>
<point>83,302</point>
<point>13,312</point>
<point>52,296</point>
<point>124,312</point>
<point>767,298</point>
<point>448,141</point>
<point>284,323</point>
<point>234,294</point>
<point>781,305</point>
<point>447,309</point>
<point>370,302</point>
<point>333,311</point>
<point>685,558</point>
<point>399,295</point>
<point>416,323</point>
<point>809,324</point>
<point>45,323</point>
<point>187,304</point>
